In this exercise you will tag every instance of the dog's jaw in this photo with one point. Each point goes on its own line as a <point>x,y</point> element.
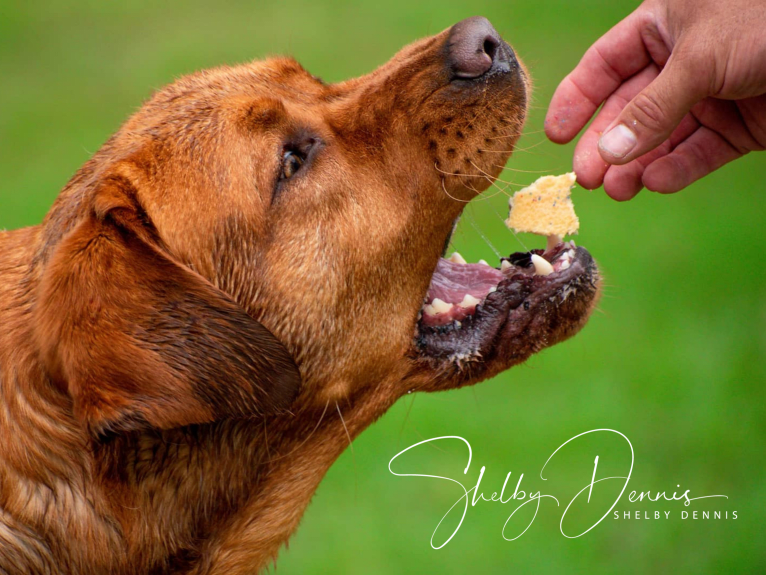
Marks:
<point>515,311</point>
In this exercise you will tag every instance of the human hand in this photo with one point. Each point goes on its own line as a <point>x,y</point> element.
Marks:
<point>683,87</point>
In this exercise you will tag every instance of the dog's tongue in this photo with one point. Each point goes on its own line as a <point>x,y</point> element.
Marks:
<point>452,281</point>
<point>457,287</point>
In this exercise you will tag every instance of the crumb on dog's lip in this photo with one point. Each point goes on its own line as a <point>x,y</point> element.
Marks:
<point>469,306</point>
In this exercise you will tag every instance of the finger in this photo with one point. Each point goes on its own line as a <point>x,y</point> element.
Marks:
<point>588,164</point>
<point>726,118</point>
<point>624,182</point>
<point>652,115</point>
<point>616,56</point>
<point>753,113</point>
<point>701,153</point>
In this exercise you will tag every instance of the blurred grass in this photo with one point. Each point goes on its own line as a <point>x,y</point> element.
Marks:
<point>674,358</point>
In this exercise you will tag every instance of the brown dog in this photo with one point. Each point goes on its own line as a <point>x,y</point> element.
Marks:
<point>245,260</point>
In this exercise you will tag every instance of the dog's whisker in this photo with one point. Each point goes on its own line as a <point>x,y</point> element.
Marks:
<point>502,219</point>
<point>535,145</point>
<point>475,398</point>
<point>536,107</point>
<point>511,136</point>
<point>515,235</point>
<point>404,422</point>
<point>491,178</point>
<point>481,196</point>
<point>444,187</point>
<point>517,170</point>
<point>343,421</point>
<point>351,448</point>
<point>302,443</point>
<point>482,235</point>
<point>503,190</point>
<point>438,169</point>
<point>470,187</point>
<point>431,444</point>
<point>532,132</point>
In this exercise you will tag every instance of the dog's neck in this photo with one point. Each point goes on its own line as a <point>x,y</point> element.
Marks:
<point>241,486</point>
<point>294,454</point>
<point>146,499</point>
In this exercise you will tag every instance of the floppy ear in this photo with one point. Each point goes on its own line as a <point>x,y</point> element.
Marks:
<point>139,340</point>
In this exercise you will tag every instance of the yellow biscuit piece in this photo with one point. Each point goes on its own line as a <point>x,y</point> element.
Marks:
<point>545,207</point>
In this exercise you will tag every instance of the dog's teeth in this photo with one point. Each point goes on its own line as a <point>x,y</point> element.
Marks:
<point>458,324</point>
<point>506,266</point>
<point>564,265</point>
<point>469,301</point>
<point>440,306</point>
<point>542,266</point>
<point>456,258</point>
<point>572,244</point>
<point>484,262</point>
<point>493,289</point>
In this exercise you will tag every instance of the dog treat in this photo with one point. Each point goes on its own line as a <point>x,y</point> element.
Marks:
<point>545,207</point>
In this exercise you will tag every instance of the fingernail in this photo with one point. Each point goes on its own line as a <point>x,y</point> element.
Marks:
<point>618,142</point>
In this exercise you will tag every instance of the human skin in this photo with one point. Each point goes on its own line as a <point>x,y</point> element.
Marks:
<point>683,88</point>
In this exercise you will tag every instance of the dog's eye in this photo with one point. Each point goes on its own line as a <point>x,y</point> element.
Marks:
<point>297,156</point>
<point>291,163</point>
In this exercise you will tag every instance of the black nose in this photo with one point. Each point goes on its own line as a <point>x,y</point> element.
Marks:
<point>474,48</point>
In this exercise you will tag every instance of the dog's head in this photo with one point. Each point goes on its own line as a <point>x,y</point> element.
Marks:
<point>258,195</point>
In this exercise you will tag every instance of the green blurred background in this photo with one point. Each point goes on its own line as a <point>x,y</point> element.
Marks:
<point>674,358</point>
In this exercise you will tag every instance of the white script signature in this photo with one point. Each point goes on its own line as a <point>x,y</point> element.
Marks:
<point>534,498</point>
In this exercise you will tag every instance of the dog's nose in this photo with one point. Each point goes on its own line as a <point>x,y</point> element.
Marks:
<point>474,48</point>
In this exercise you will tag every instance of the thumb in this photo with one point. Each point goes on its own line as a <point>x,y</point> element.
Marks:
<point>652,115</point>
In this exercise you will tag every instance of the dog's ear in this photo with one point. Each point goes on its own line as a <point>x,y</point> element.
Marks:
<point>139,340</point>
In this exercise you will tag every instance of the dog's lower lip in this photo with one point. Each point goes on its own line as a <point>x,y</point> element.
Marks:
<point>524,313</point>
<point>457,287</point>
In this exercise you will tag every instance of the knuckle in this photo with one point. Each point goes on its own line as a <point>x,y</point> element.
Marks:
<point>699,157</point>
<point>648,111</point>
<point>757,128</point>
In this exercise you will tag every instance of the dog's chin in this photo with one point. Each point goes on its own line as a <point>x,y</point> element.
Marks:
<point>478,320</point>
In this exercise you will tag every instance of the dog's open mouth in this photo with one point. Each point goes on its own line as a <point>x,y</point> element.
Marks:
<point>474,312</point>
